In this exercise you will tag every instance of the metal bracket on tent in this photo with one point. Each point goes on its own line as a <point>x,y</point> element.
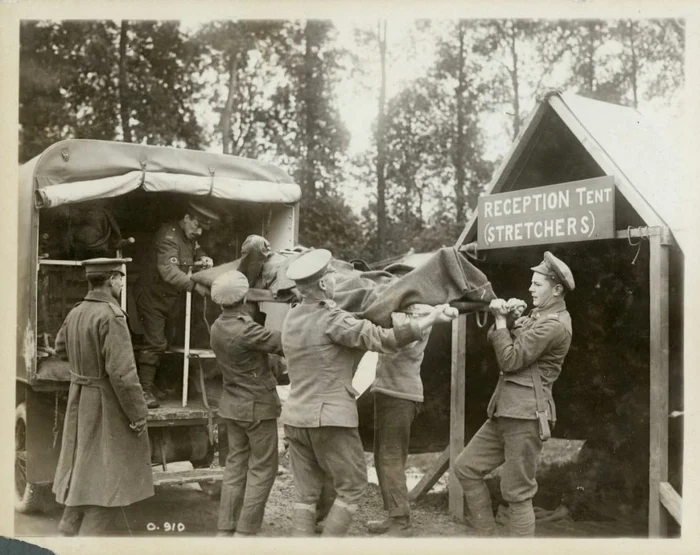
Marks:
<point>142,163</point>
<point>212,173</point>
<point>643,233</point>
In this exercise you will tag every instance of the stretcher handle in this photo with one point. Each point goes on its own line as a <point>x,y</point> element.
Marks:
<point>466,307</point>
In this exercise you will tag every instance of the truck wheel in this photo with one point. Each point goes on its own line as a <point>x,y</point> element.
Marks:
<point>29,498</point>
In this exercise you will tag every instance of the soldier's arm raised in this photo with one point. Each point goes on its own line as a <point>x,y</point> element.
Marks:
<point>353,332</point>
<point>259,338</point>
<point>514,354</point>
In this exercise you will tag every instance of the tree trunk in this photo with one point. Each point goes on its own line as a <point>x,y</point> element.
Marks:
<point>124,112</point>
<point>516,83</point>
<point>228,107</point>
<point>632,31</point>
<point>590,62</point>
<point>459,154</point>
<point>309,111</point>
<point>381,145</point>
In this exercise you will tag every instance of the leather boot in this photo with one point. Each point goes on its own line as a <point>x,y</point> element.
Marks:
<point>479,503</point>
<point>303,520</point>
<point>378,526</point>
<point>147,374</point>
<point>521,518</point>
<point>70,521</point>
<point>400,527</point>
<point>151,401</point>
<point>338,520</point>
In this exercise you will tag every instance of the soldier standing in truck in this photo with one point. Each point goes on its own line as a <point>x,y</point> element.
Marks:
<point>174,251</point>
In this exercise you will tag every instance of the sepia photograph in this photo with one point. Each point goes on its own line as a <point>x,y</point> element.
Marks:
<point>379,277</point>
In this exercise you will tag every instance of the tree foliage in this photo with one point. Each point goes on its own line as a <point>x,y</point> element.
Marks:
<point>269,89</point>
<point>70,83</point>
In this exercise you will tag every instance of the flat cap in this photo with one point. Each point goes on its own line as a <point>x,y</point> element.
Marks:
<point>229,288</point>
<point>105,265</point>
<point>556,270</point>
<point>205,216</point>
<point>310,265</point>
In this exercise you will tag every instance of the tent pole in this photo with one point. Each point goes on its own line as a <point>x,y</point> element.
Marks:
<point>658,366</point>
<point>457,410</point>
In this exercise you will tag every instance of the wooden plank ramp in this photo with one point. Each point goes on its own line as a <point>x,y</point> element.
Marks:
<point>172,410</point>
<point>161,478</point>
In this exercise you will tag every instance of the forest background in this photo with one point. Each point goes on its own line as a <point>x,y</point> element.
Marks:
<point>391,128</point>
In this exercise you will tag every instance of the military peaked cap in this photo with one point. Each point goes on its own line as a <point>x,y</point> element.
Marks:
<point>105,265</point>
<point>205,216</point>
<point>310,265</point>
<point>556,270</point>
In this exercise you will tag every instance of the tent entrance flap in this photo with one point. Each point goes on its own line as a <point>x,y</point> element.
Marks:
<point>222,187</point>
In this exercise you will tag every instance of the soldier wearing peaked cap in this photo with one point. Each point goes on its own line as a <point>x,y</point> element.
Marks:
<point>105,460</point>
<point>249,407</point>
<point>173,253</point>
<point>530,351</point>
<point>320,342</point>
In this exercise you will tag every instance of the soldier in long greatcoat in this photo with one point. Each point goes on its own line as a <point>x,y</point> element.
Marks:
<point>105,460</point>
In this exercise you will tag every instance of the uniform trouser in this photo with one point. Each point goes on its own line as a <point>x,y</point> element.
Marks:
<point>154,314</point>
<point>326,500</point>
<point>87,520</point>
<point>327,452</point>
<point>392,429</point>
<point>251,468</point>
<point>515,444</point>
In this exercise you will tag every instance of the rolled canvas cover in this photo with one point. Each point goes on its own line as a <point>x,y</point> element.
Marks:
<point>78,170</point>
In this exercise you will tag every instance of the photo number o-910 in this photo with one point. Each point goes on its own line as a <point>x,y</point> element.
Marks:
<point>165,527</point>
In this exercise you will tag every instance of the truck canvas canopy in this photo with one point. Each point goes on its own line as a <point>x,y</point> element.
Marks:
<point>82,170</point>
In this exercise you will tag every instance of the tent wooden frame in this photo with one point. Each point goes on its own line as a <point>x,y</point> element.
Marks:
<point>664,501</point>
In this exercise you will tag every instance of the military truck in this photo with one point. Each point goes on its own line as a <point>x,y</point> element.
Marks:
<point>115,196</point>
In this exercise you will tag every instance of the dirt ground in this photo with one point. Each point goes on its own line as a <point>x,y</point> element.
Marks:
<point>187,511</point>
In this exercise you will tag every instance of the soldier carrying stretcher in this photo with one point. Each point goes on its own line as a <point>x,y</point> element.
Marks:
<point>530,351</point>
<point>320,342</point>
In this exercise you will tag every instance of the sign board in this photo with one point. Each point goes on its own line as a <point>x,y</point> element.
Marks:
<point>562,213</point>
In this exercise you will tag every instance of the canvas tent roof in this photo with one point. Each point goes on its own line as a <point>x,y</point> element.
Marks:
<point>625,144</point>
<point>79,170</point>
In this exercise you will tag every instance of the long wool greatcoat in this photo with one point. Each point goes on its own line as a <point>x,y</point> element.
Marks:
<point>103,462</point>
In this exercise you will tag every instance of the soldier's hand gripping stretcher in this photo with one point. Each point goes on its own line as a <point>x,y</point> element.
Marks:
<point>511,310</point>
<point>204,263</point>
<point>427,316</point>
